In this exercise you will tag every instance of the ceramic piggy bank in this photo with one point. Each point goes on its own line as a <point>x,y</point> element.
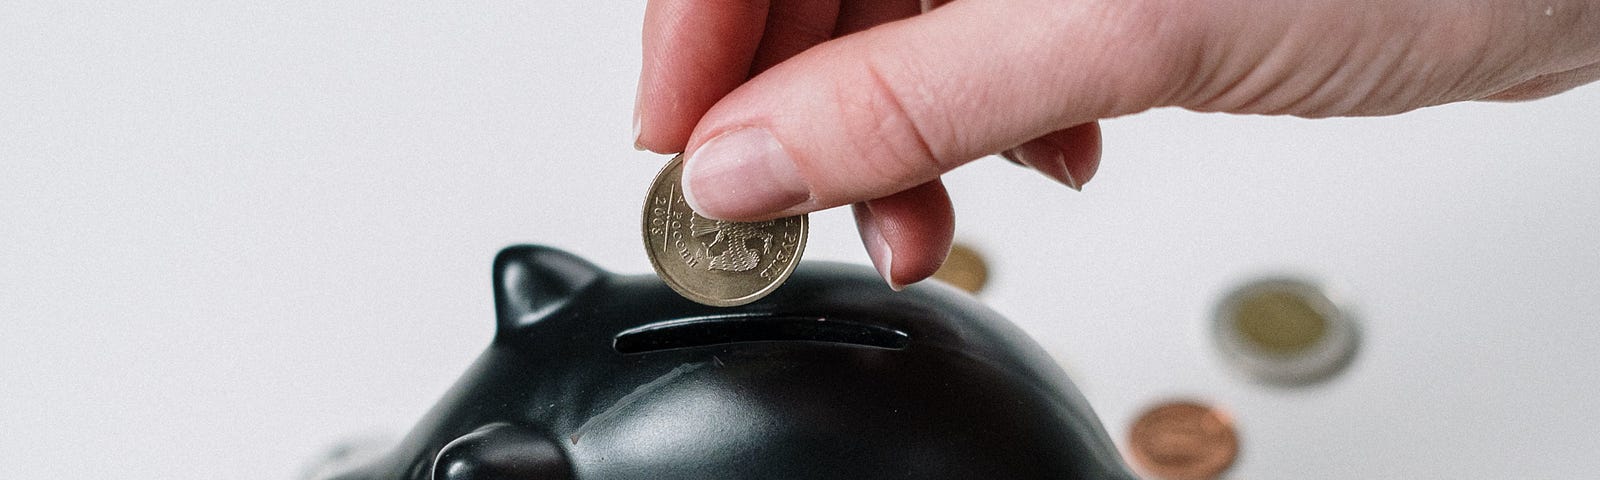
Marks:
<point>595,376</point>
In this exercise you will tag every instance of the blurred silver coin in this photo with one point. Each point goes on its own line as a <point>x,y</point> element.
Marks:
<point>716,262</point>
<point>1284,331</point>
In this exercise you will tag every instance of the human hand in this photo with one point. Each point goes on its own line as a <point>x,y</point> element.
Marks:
<point>790,106</point>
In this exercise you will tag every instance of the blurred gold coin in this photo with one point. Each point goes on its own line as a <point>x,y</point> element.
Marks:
<point>1279,321</point>
<point>964,268</point>
<point>1183,440</point>
<point>1284,331</point>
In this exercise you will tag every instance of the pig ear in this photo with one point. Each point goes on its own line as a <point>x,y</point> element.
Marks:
<point>531,281</point>
<point>502,452</point>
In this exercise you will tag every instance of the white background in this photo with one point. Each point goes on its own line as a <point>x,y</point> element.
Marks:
<point>233,234</point>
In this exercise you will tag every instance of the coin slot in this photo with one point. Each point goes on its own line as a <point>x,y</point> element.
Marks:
<point>725,330</point>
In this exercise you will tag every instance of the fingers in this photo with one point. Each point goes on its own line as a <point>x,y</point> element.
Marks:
<point>1068,156</point>
<point>695,52</point>
<point>858,15</point>
<point>907,234</point>
<point>890,108</point>
<point>792,27</point>
<point>1327,59</point>
<point>724,43</point>
<point>1547,85</point>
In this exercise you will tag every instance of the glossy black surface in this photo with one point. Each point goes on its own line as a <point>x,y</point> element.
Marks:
<point>597,376</point>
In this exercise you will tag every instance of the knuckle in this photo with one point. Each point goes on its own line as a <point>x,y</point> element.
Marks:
<point>1146,51</point>
<point>885,144</point>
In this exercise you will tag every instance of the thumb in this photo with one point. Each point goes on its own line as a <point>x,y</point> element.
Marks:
<point>881,111</point>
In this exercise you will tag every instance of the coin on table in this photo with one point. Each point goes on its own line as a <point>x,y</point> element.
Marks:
<point>1183,440</point>
<point>716,262</point>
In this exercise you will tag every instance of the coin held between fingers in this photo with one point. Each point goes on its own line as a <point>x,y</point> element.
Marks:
<point>716,262</point>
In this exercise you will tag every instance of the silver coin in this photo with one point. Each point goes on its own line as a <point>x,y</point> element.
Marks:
<point>716,262</point>
<point>1284,331</point>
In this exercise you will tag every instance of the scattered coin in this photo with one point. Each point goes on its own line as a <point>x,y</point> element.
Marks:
<point>1284,331</point>
<point>1183,440</point>
<point>964,268</point>
<point>716,262</point>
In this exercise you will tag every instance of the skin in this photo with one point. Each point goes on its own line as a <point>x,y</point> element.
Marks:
<point>869,101</point>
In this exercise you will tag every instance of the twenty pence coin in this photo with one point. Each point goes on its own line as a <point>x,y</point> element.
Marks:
<point>716,262</point>
<point>1183,440</point>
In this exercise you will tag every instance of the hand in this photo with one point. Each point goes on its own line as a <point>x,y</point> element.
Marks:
<point>791,106</point>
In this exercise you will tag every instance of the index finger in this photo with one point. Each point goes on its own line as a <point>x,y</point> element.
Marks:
<point>695,52</point>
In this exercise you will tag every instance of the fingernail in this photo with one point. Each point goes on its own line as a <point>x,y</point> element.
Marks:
<point>638,94</point>
<point>877,247</point>
<point>740,174</point>
<point>636,144</point>
<point>1046,158</point>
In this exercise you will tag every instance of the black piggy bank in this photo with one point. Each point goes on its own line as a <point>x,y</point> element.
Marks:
<point>594,376</point>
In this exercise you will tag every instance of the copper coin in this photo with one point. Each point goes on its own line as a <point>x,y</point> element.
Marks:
<point>964,268</point>
<point>1183,440</point>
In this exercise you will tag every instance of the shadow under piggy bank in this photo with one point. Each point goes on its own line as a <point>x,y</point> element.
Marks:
<point>834,376</point>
